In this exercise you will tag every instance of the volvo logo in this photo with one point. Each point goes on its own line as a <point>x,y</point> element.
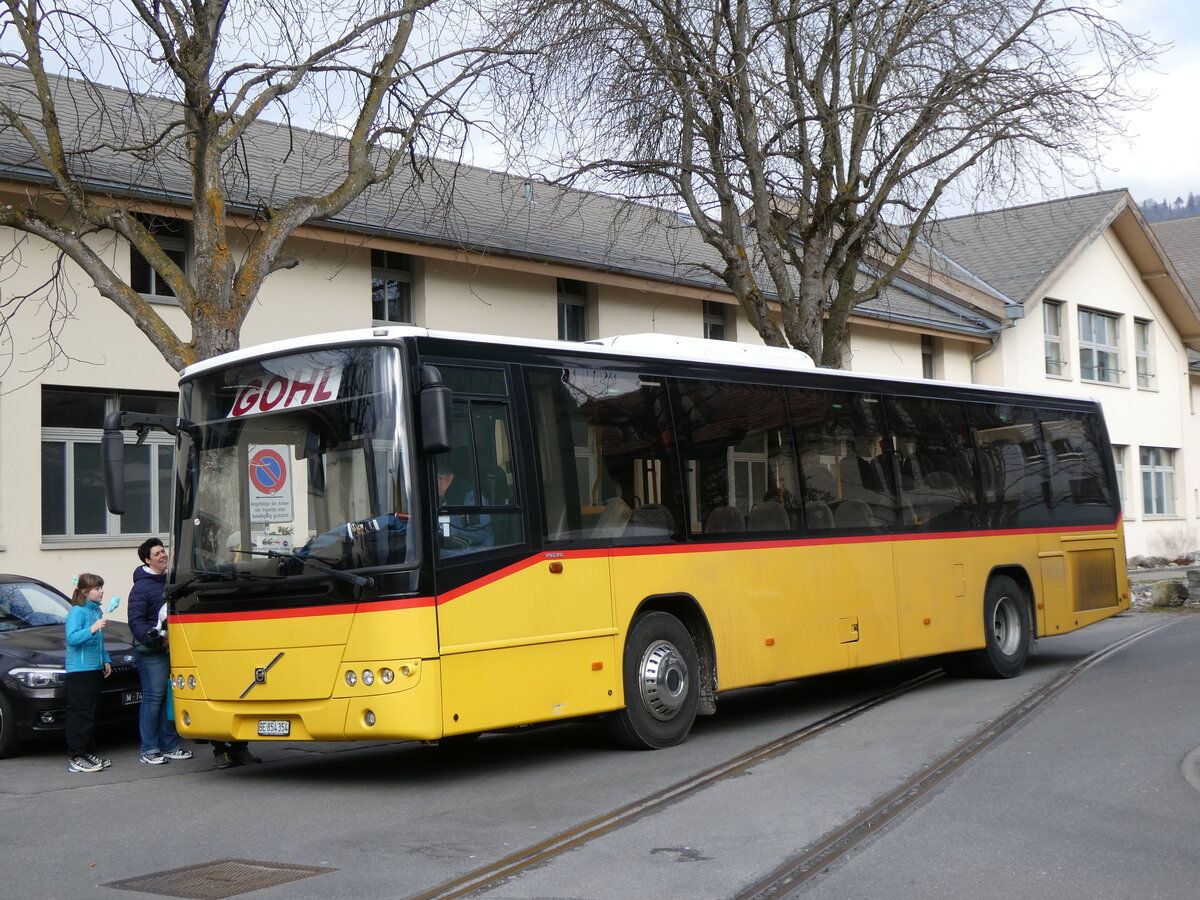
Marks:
<point>260,674</point>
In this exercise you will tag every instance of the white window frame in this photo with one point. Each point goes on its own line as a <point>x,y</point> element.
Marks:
<point>1158,481</point>
<point>716,321</point>
<point>158,291</point>
<point>572,309</point>
<point>1054,339</point>
<point>1143,352</point>
<point>72,438</point>
<point>1119,453</point>
<point>1102,343</point>
<point>929,357</point>
<point>389,271</point>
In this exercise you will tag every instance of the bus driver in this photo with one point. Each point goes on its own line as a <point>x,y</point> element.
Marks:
<point>460,532</point>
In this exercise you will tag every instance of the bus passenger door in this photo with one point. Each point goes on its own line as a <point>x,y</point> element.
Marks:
<point>525,636</point>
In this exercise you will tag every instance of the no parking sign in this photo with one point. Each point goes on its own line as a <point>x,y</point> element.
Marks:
<point>270,484</point>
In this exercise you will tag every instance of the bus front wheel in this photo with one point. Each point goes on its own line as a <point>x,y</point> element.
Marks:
<point>661,678</point>
<point>1007,631</point>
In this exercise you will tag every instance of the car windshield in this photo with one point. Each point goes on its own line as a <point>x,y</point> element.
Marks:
<point>24,604</point>
<point>295,461</point>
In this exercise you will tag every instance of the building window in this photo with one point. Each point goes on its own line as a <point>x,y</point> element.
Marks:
<point>73,506</point>
<point>715,324</point>
<point>929,356</point>
<point>1141,352</point>
<point>572,310</point>
<point>1158,481</point>
<point>171,235</point>
<point>391,286</point>
<point>1052,319</point>
<point>1119,465</point>
<point>1099,357</point>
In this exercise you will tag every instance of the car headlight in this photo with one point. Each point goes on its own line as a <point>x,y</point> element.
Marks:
<point>40,678</point>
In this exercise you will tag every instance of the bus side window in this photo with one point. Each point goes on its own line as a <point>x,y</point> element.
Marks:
<point>845,461</point>
<point>478,509</point>
<point>1080,485</point>
<point>1011,456</point>
<point>933,453</point>
<point>736,450</point>
<point>602,441</point>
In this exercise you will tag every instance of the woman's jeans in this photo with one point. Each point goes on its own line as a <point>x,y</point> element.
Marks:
<point>158,732</point>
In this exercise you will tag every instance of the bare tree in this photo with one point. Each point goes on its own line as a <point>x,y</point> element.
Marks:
<point>200,80</point>
<point>811,140</point>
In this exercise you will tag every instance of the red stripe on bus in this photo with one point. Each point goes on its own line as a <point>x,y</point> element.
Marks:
<point>593,553</point>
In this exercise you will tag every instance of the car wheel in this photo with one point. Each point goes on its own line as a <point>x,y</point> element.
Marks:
<point>8,728</point>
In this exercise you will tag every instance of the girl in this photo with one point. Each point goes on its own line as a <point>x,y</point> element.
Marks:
<point>88,664</point>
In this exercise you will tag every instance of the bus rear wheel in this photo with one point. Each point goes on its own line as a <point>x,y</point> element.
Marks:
<point>1007,631</point>
<point>661,679</point>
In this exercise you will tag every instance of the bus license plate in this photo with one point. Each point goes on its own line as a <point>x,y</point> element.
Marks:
<point>128,698</point>
<point>274,727</point>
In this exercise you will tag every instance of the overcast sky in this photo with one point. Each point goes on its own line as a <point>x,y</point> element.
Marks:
<point>1162,159</point>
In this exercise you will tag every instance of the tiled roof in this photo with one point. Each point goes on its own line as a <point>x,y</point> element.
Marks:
<point>1015,250</point>
<point>1181,239</point>
<point>444,204</point>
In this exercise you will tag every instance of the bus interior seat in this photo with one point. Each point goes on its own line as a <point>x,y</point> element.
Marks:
<point>852,514</point>
<point>613,520</point>
<point>723,520</point>
<point>495,487</point>
<point>818,516</point>
<point>820,485</point>
<point>856,477</point>
<point>769,515</point>
<point>652,519</point>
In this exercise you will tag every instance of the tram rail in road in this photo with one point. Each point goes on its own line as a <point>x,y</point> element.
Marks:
<point>815,858</point>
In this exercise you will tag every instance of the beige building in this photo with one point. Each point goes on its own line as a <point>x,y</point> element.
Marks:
<point>469,250</point>
<point>1107,315</point>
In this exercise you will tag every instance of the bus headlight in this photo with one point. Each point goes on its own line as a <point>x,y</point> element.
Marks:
<point>369,717</point>
<point>191,682</point>
<point>351,678</point>
<point>368,677</point>
<point>387,676</point>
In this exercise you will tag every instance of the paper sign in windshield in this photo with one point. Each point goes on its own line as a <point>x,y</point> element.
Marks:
<point>270,484</point>
<point>283,391</point>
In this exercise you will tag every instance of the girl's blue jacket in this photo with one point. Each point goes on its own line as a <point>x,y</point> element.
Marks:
<point>85,651</point>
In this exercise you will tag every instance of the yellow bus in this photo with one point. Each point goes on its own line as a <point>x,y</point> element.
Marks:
<point>409,534</point>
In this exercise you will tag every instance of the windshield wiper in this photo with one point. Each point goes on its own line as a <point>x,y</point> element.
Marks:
<point>349,577</point>
<point>225,575</point>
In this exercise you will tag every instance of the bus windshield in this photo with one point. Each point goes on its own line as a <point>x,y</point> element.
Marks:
<point>296,465</point>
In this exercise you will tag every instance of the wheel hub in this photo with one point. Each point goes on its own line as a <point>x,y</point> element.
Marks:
<point>1006,626</point>
<point>663,680</point>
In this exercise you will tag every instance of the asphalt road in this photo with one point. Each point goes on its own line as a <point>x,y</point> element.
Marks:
<point>1089,798</point>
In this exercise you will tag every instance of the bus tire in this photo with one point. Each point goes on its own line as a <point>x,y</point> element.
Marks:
<point>662,685</point>
<point>1007,631</point>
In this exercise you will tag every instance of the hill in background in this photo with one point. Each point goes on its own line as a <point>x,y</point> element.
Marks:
<point>1156,211</point>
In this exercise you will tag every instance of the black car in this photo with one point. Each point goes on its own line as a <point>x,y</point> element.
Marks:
<point>33,653</point>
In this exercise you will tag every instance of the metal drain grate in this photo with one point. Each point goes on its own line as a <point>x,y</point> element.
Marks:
<point>217,879</point>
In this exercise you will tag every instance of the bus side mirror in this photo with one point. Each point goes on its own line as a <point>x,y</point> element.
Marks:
<point>435,403</point>
<point>112,454</point>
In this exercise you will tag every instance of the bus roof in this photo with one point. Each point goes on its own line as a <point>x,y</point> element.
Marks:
<point>655,346</point>
<point>677,348</point>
